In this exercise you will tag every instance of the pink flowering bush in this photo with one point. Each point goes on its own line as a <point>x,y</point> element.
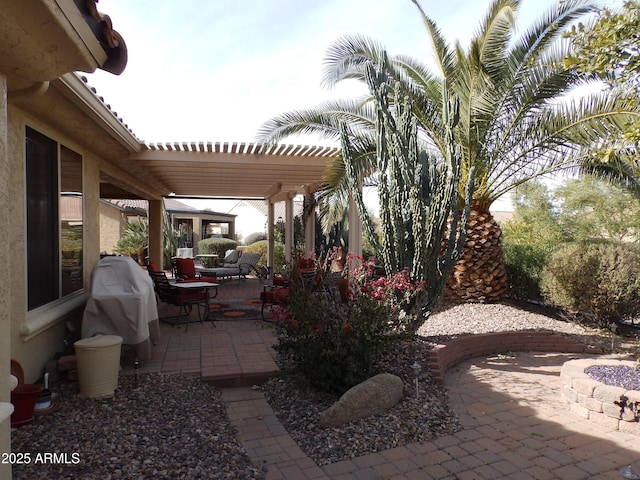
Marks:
<point>336,325</point>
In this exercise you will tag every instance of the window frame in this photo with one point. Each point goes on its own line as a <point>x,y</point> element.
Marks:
<point>56,300</point>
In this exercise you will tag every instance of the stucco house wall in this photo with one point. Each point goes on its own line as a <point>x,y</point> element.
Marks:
<point>34,349</point>
<point>42,41</point>
<point>111,227</point>
<point>199,220</point>
<point>112,223</point>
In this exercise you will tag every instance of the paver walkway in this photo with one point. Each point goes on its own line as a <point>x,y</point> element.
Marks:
<point>227,353</point>
<point>514,424</point>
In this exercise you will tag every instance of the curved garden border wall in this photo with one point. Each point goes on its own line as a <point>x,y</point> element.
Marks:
<point>443,357</point>
<point>594,400</point>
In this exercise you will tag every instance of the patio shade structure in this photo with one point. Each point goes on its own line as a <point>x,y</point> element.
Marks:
<point>238,170</point>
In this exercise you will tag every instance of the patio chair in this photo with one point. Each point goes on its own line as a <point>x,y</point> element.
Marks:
<point>186,272</point>
<point>231,258</point>
<point>246,264</point>
<point>183,298</point>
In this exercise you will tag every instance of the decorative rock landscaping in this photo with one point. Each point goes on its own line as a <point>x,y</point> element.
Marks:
<point>373,396</point>
<point>594,400</point>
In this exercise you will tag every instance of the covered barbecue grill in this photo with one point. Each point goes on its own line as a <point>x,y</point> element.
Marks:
<point>122,302</point>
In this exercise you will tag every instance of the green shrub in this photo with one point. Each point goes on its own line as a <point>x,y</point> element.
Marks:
<point>216,246</point>
<point>261,248</point>
<point>524,264</point>
<point>254,237</point>
<point>368,251</point>
<point>599,279</point>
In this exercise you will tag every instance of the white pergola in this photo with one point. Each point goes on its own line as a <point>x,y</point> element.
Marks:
<point>242,170</point>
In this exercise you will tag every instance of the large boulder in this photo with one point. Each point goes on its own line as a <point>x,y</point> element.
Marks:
<point>374,395</point>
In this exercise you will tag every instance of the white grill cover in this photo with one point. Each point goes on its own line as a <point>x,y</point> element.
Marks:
<point>122,302</point>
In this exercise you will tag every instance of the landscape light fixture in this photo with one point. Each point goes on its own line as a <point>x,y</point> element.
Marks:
<point>416,371</point>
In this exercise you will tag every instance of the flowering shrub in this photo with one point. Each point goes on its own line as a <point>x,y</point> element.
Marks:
<point>305,261</point>
<point>397,291</point>
<point>337,325</point>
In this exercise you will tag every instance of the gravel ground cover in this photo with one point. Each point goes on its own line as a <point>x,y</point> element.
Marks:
<point>176,427</point>
<point>419,416</point>
<point>169,427</point>
<point>416,417</point>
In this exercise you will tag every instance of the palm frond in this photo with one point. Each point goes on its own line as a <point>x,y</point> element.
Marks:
<point>620,168</point>
<point>445,57</point>
<point>564,135</point>
<point>548,29</point>
<point>322,120</point>
<point>517,118</point>
<point>490,42</point>
<point>346,57</point>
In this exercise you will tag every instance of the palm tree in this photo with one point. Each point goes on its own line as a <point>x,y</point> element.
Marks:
<point>517,122</point>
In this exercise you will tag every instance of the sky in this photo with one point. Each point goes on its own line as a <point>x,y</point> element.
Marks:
<point>217,70</point>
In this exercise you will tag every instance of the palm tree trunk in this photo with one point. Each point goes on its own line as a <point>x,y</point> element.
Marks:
<point>479,275</point>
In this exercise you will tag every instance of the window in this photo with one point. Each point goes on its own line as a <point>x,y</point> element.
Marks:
<point>54,220</point>
<point>217,230</point>
<point>184,232</point>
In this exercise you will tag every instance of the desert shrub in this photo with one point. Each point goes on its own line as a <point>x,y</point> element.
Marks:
<point>261,247</point>
<point>335,328</point>
<point>368,251</point>
<point>529,238</point>
<point>217,246</point>
<point>596,279</point>
<point>524,264</point>
<point>254,237</point>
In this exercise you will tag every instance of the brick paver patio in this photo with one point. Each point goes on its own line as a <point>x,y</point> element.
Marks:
<point>515,425</point>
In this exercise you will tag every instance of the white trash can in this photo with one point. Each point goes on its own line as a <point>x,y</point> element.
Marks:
<point>98,362</point>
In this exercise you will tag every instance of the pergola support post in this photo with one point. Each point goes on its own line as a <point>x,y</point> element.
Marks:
<point>310,224</point>
<point>289,243</point>
<point>270,238</point>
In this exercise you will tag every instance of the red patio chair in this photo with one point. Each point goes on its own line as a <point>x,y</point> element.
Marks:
<point>186,272</point>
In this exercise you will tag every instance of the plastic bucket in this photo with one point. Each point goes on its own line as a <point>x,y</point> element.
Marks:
<point>23,398</point>
<point>98,361</point>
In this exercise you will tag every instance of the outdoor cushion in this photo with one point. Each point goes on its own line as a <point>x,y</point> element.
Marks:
<point>186,270</point>
<point>245,265</point>
<point>280,281</point>
<point>186,267</point>
<point>153,266</point>
<point>231,256</point>
<point>198,279</point>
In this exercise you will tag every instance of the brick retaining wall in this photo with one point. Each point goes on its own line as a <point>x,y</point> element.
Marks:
<point>443,357</point>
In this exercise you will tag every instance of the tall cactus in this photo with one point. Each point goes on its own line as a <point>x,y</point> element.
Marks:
<point>418,194</point>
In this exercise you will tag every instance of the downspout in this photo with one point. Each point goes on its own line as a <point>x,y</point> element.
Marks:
<point>38,88</point>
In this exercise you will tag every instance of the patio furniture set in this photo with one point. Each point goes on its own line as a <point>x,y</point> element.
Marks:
<point>193,286</point>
